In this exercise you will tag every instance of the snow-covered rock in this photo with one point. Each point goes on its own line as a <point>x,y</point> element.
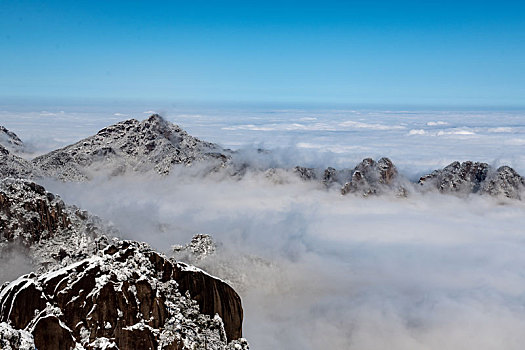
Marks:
<point>13,166</point>
<point>125,297</point>
<point>474,177</point>
<point>200,247</point>
<point>15,339</point>
<point>49,231</point>
<point>10,140</point>
<point>94,292</point>
<point>130,145</point>
<point>370,177</point>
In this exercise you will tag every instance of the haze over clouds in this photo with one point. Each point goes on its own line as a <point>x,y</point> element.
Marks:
<point>428,272</point>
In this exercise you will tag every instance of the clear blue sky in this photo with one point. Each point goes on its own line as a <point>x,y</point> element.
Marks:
<point>403,52</point>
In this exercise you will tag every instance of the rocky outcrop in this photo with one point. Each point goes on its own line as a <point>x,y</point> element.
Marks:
<point>200,247</point>
<point>13,166</point>
<point>474,177</point>
<point>370,177</point>
<point>125,297</point>
<point>100,293</point>
<point>29,213</point>
<point>10,140</point>
<point>306,174</point>
<point>130,145</point>
<point>505,182</point>
<point>41,226</point>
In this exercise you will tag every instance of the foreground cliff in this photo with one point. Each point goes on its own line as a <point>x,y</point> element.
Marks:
<point>93,292</point>
<point>125,297</point>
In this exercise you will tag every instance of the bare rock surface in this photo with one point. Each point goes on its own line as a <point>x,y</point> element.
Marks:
<point>153,143</point>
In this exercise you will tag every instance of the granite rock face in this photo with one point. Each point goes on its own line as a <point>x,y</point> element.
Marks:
<point>124,297</point>
<point>474,177</point>
<point>103,293</point>
<point>29,213</point>
<point>45,230</point>
<point>130,145</point>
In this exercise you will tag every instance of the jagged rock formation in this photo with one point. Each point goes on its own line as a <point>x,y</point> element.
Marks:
<point>153,143</point>
<point>13,166</point>
<point>10,140</point>
<point>367,178</point>
<point>100,293</point>
<point>370,177</point>
<point>200,247</point>
<point>307,173</point>
<point>475,177</point>
<point>29,213</point>
<point>47,230</point>
<point>125,297</point>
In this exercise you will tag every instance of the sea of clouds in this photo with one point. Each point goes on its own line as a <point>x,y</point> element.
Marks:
<point>317,269</point>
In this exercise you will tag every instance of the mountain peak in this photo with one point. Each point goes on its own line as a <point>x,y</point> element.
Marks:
<point>156,118</point>
<point>153,143</point>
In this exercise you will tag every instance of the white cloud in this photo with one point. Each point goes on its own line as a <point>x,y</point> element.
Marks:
<point>500,129</point>
<point>455,132</point>
<point>338,271</point>
<point>437,123</point>
<point>361,125</point>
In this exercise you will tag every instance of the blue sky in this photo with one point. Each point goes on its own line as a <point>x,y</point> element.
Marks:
<point>381,52</point>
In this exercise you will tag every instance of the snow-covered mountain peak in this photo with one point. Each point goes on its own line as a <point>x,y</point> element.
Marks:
<point>130,145</point>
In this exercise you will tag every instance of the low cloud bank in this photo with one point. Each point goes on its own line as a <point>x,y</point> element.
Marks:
<point>316,269</point>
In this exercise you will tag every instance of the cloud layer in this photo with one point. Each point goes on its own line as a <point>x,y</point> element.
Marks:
<point>318,269</point>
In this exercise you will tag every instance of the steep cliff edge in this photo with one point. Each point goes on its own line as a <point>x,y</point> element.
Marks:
<point>94,292</point>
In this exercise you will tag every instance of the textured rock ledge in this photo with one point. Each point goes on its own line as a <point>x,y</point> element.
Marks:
<point>92,292</point>
<point>126,297</point>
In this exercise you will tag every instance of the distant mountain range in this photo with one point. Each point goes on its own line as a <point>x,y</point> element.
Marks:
<point>157,145</point>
